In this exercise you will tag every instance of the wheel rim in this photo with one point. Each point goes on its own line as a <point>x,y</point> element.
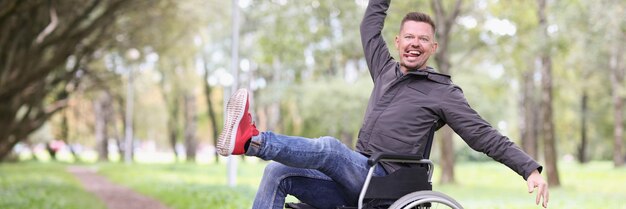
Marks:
<point>435,203</point>
<point>425,199</point>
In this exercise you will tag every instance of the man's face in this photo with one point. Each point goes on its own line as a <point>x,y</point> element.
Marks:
<point>415,43</point>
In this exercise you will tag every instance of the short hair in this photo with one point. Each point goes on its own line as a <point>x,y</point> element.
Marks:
<point>418,17</point>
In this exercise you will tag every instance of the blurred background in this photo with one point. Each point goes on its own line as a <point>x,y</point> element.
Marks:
<point>106,82</point>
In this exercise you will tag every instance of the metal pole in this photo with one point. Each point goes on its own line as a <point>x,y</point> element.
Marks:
<point>232,160</point>
<point>128,142</point>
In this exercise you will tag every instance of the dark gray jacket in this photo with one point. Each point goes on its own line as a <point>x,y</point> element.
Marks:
<point>403,108</point>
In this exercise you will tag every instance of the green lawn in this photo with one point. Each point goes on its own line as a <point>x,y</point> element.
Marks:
<point>480,185</point>
<point>491,185</point>
<point>188,185</point>
<point>42,186</point>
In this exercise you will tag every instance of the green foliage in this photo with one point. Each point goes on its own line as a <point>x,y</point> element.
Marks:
<point>37,185</point>
<point>302,51</point>
<point>286,33</point>
<point>332,107</point>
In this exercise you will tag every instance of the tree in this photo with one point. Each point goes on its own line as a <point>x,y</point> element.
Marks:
<point>191,121</point>
<point>547,128</point>
<point>445,20</point>
<point>41,56</point>
<point>297,42</point>
<point>208,94</point>
<point>516,52</point>
<point>103,113</point>
<point>617,65</point>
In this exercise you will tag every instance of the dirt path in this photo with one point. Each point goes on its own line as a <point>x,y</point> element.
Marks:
<point>113,195</point>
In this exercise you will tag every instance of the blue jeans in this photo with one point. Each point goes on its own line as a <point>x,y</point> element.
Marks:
<point>322,172</point>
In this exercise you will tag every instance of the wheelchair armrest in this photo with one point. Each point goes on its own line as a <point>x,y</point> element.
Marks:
<point>393,157</point>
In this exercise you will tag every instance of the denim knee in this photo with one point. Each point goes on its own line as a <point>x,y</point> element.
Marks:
<point>274,170</point>
<point>330,143</point>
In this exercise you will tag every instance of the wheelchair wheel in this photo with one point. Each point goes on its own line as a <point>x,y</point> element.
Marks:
<point>425,200</point>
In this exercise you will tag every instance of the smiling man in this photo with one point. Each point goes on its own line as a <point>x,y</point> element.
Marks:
<point>407,99</point>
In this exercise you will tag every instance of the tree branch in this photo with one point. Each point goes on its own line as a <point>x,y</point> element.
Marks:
<point>65,49</point>
<point>8,10</point>
<point>54,22</point>
<point>73,25</point>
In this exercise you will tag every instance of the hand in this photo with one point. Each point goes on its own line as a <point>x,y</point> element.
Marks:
<point>535,180</point>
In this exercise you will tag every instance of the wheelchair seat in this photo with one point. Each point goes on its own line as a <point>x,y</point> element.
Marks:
<point>398,183</point>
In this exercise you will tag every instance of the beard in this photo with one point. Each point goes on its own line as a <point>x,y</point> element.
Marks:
<point>413,65</point>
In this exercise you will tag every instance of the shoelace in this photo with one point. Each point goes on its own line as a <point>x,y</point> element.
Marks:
<point>255,131</point>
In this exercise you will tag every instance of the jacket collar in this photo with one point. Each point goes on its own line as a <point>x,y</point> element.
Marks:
<point>428,73</point>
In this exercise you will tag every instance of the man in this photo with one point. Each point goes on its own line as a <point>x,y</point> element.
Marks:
<point>408,97</point>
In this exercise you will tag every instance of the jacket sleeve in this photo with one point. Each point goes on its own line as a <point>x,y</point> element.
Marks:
<point>375,49</point>
<point>481,136</point>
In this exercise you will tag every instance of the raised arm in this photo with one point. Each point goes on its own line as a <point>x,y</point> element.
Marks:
<point>375,49</point>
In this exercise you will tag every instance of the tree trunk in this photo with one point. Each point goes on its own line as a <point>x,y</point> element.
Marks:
<point>170,90</point>
<point>447,156</point>
<point>120,136</point>
<point>191,121</point>
<point>100,114</point>
<point>444,21</point>
<point>113,117</point>
<point>547,129</point>
<point>273,111</point>
<point>618,133</point>
<point>582,148</point>
<point>172,124</point>
<point>528,123</point>
<point>65,135</point>
<point>616,63</point>
<point>211,110</point>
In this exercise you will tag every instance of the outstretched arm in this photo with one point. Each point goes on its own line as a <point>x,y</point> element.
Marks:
<point>535,180</point>
<point>480,136</point>
<point>375,48</point>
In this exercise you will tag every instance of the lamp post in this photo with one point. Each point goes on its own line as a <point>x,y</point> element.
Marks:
<point>232,160</point>
<point>132,55</point>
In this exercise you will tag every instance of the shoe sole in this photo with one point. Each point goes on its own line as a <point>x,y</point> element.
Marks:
<point>235,110</point>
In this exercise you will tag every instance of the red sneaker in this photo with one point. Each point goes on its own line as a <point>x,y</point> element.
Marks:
<point>238,125</point>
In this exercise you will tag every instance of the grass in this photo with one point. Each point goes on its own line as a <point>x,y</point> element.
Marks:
<point>42,186</point>
<point>188,185</point>
<point>480,185</point>
<point>491,185</point>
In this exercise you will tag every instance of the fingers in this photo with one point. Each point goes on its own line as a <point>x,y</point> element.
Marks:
<point>539,194</point>
<point>546,197</point>
<point>542,192</point>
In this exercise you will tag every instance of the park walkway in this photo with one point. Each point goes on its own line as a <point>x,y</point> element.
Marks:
<point>113,195</point>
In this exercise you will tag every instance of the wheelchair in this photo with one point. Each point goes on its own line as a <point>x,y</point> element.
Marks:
<point>406,188</point>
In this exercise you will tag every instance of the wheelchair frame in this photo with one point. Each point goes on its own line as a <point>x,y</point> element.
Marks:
<point>387,157</point>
